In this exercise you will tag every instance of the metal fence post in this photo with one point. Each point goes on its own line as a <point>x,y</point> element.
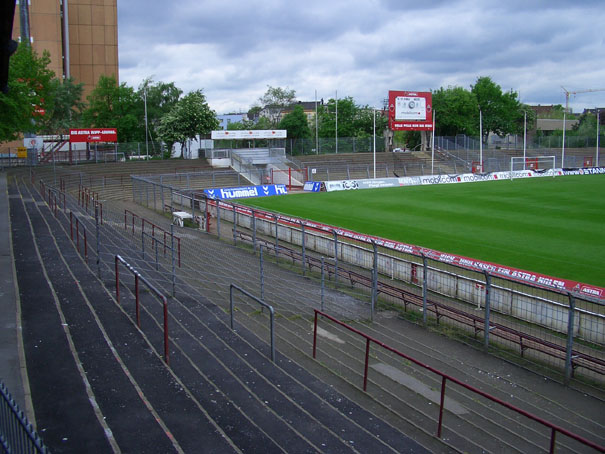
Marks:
<point>172,256</point>
<point>234,224</point>
<point>218,218</point>
<point>335,256</point>
<point>254,231</point>
<point>374,279</point>
<point>262,275</point>
<point>193,207</point>
<point>323,280</point>
<point>98,248</point>
<point>276,238</point>
<point>162,191</point>
<point>154,199</point>
<point>488,283</point>
<point>569,346</point>
<point>304,259</point>
<point>424,287</point>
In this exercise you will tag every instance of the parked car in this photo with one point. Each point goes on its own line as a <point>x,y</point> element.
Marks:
<point>401,150</point>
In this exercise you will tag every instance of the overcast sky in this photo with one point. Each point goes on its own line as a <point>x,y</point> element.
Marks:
<point>233,49</point>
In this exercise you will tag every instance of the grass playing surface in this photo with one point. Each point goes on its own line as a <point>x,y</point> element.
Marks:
<point>553,226</point>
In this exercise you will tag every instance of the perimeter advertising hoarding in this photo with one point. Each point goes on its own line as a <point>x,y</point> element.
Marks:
<point>93,135</point>
<point>251,134</point>
<point>410,111</point>
<point>246,191</point>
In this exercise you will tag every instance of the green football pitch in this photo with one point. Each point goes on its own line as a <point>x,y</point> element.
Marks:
<point>552,226</point>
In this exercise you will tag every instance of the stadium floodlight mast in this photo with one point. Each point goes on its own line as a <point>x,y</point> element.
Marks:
<point>316,127</point>
<point>524,137</point>
<point>433,146</point>
<point>480,140</point>
<point>374,144</point>
<point>146,127</point>
<point>563,144</point>
<point>336,121</point>
<point>598,121</point>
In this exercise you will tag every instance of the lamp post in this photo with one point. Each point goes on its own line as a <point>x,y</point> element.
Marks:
<point>146,126</point>
<point>433,146</point>
<point>563,144</point>
<point>336,121</point>
<point>524,137</point>
<point>374,145</point>
<point>598,121</point>
<point>480,141</point>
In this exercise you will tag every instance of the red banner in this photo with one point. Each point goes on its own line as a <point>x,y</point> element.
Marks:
<point>536,279</point>
<point>93,135</point>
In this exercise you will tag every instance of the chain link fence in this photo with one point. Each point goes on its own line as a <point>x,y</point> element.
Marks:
<point>541,325</point>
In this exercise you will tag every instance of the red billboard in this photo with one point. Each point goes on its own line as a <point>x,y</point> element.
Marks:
<point>93,135</point>
<point>410,111</point>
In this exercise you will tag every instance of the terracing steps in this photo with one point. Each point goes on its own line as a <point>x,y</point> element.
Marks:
<point>353,434</point>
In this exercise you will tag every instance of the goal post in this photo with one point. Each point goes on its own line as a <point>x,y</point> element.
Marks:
<point>539,164</point>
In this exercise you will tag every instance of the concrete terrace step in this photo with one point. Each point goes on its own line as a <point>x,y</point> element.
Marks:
<point>314,429</point>
<point>142,380</point>
<point>493,434</point>
<point>388,398</point>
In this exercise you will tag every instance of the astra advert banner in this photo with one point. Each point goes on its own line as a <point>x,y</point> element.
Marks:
<point>410,111</point>
<point>93,135</point>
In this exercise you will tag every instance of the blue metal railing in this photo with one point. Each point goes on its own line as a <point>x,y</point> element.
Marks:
<point>16,433</point>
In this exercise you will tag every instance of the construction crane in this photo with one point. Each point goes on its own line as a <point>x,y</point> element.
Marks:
<point>567,93</point>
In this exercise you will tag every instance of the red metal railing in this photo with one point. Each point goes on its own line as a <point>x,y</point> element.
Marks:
<point>71,233</point>
<point>444,377</point>
<point>137,278</point>
<point>86,196</point>
<point>154,227</point>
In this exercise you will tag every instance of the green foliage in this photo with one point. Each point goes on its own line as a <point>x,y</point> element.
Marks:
<point>161,98</point>
<point>353,120</point>
<point>66,111</point>
<point>189,117</point>
<point>115,106</point>
<point>275,100</point>
<point>30,87</point>
<point>296,124</point>
<point>502,113</point>
<point>455,112</point>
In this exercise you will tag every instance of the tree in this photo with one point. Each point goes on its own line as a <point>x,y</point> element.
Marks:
<point>500,111</point>
<point>328,117</point>
<point>275,100</point>
<point>455,112</point>
<point>115,106</point>
<point>296,124</point>
<point>189,117</point>
<point>353,120</point>
<point>161,98</point>
<point>66,111</point>
<point>29,91</point>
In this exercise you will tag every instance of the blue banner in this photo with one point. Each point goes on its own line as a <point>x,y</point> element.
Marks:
<point>313,186</point>
<point>246,191</point>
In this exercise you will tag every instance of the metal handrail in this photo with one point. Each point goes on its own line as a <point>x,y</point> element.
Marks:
<point>554,428</point>
<point>138,277</point>
<point>16,432</point>
<point>262,303</point>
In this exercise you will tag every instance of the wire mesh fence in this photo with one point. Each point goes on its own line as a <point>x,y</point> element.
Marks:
<point>540,324</point>
<point>353,277</point>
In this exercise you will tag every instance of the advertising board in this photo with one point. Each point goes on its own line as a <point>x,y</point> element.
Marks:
<point>251,134</point>
<point>410,111</point>
<point>246,191</point>
<point>91,135</point>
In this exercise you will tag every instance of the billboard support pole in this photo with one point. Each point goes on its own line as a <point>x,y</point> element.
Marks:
<point>433,146</point>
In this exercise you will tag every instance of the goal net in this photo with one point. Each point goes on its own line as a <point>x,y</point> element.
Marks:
<point>542,164</point>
